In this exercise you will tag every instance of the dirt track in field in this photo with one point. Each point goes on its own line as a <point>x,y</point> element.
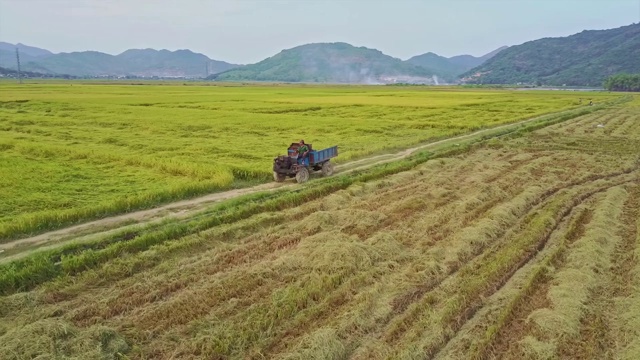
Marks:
<point>185,208</point>
<point>525,248</point>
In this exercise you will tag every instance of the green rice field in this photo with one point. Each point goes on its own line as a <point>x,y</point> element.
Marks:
<point>70,152</point>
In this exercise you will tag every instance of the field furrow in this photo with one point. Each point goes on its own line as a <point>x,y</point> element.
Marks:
<point>460,305</point>
<point>500,324</point>
<point>610,338</point>
<point>524,246</point>
<point>540,327</point>
<point>503,322</point>
<point>598,338</point>
<point>625,319</point>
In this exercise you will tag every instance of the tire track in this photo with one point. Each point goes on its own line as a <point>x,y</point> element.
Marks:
<point>528,291</point>
<point>390,333</point>
<point>529,254</point>
<point>505,341</point>
<point>525,254</point>
<point>322,314</point>
<point>543,198</point>
<point>244,255</point>
<point>186,208</point>
<point>597,338</point>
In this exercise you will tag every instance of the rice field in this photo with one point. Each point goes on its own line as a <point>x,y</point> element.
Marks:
<point>70,152</point>
<point>522,246</point>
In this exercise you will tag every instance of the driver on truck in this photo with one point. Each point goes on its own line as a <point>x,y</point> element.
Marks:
<point>303,151</point>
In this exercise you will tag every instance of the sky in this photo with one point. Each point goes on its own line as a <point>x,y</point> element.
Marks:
<point>247,31</point>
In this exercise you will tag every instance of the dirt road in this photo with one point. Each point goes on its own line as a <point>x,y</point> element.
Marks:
<point>185,208</point>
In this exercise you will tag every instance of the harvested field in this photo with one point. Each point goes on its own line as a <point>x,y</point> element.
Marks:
<point>523,246</point>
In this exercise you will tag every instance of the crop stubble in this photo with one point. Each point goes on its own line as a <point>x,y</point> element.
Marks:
<point>467,256</point>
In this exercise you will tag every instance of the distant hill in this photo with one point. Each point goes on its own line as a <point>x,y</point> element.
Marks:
<point>330,63</point>
<point>8,58</point>
<point>10,73</point>
<point>27,54</point>
<point>134,62</point>
<point>442,66</point>
<point>77,63</point>
<point>583,59</point>
<point>24,49</point>
<point>488,56</point>
<point>450,68</point>
<point>472,61</point>
<point>149,62</point>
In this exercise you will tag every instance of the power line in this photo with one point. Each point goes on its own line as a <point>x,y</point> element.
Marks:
<point>18,62</point>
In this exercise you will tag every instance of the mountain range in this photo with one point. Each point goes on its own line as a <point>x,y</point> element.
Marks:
<point>450,68</point>
<point>344,63</point>
<point>583,59</point>
<point>135,62</point>
<point>321,62</point>
<point>586,58</point>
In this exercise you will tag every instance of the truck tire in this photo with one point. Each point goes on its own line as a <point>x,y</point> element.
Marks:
<point>302,175</point>
<point>327,169</point>
<point>279,177</point>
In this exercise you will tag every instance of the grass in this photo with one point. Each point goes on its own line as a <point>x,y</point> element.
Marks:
<point>574,276</point>
<point>396,261</point>
<point>463,292</point>
<point>71,152</point>
<point>609,330</point>
<point>77,257</point>
<point>630,309</point>
<point>586,262</point>
<point>57,339</point>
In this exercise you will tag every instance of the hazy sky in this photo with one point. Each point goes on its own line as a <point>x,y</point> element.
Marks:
<point>246,31</point>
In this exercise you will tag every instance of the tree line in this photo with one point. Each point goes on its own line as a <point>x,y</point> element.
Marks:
<point>623,82</point>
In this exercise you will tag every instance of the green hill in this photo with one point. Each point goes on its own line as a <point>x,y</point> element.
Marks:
<point>24,49</point>
<point>149,62</point>
<point>8,58</point>
<point>449,69</point>
<point>583,59</point>
<point>330,63</point>
<point>10,73</point>
<point>27,54</point>
<point>470,62</point>
<point>77,63</point>
<point>441,65</point>
<point>136,62</point>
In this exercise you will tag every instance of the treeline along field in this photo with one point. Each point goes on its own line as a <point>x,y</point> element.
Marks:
<point>72,152</point>
<point>524,246</point>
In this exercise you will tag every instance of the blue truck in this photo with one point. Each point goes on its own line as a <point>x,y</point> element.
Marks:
<point>289,165</point>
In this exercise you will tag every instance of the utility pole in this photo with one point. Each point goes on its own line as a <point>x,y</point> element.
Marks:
<point>18,62</point>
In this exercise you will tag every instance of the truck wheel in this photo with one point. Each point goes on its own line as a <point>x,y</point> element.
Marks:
<point>302,175</point>
<point>327,169</point>
<point>279,177</point>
